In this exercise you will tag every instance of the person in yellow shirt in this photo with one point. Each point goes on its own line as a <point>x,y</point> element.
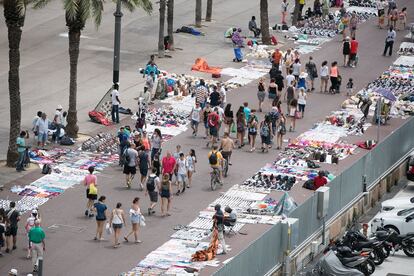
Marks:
<point>215,159</point>
<point>301,5</point>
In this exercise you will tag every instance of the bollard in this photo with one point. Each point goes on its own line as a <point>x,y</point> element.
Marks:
<point>40,266</point>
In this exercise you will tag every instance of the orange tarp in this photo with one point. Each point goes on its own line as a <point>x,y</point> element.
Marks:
<point>202,66</point>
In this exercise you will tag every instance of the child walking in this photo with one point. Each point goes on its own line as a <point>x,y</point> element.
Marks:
<point>350,87</point>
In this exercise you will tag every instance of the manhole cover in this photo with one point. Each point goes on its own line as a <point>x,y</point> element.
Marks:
<point>66,228</point>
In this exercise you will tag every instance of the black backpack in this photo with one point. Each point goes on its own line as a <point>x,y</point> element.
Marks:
<point>46,169</point>
<point>213,158</point>
<point>125,157</point>
<point>309,184</point>
<point>151,183</point>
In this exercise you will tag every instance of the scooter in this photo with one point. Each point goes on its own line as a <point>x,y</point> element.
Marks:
<point>359,260</point>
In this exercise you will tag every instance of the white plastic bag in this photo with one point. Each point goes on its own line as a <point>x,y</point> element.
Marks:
<point>108,228</point>
<point>142,221</point>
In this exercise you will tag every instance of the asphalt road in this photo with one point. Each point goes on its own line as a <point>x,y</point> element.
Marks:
<point>71,250</point>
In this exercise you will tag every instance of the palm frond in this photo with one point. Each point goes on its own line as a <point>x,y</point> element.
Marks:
<point>71,8</point>
<point>131,5</point>
<point>38,4</point>
<point>84,11</point>
<point>97,10</point>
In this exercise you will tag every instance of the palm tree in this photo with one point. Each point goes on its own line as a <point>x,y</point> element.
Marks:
<point>296,12</point>
<point>198,13</point>
<point>209,11</point>
<point>77,12</point>
<point>170,23</point>
<point>161,30</point>
<point>264,22</point>
<point>14,14</point>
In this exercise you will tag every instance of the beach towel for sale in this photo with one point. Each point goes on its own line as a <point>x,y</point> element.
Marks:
<point>202,66</point>
<point>209,253</point>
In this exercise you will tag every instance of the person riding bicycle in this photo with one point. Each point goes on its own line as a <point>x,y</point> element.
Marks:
<point>226,146</point>
<point>215,160</point>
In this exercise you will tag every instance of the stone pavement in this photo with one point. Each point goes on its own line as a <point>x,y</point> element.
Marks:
<point>73,252</point>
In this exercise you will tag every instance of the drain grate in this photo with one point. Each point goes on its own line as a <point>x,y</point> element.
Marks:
<point>66,228</point>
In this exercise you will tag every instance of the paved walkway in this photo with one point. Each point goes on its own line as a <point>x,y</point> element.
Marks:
<point>75,253</point>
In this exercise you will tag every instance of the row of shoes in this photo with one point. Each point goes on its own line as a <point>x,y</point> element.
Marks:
<point>102,142</point>
<point>273,182</point>
<point>363,3</point>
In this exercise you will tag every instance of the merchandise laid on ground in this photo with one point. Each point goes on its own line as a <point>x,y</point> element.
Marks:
<point>296,164</point>
<point>67,169</point>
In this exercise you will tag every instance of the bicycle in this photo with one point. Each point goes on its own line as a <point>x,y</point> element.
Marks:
<point>215,178</point>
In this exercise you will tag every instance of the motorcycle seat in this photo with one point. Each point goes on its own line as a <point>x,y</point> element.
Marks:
<point>367,244</point>
<point>349,259</point>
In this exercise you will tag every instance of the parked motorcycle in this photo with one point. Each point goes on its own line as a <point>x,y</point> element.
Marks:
<point>357,241</point>
<point>404,242</point>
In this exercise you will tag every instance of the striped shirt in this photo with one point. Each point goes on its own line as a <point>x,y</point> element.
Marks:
<point>201,94</point>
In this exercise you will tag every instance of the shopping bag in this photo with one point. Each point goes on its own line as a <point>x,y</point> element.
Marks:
<point>108,228</point>
<point>142,221</point>
<point>233,128</point>
<point>298,115</point>
<point>92,189</point>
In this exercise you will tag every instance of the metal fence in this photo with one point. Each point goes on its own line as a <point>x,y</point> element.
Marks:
<point>266,252</point>
<point>347,186</point>
<point>259,257</point>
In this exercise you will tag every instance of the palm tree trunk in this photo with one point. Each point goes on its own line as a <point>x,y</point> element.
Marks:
<point>170,23</point>
<point>161,30</point>
<point>209,11</point>
<point>296,13</point>
<point>198,13</point>
<point>14,36</point>
<point>264,22</point>
<point>74,41</point>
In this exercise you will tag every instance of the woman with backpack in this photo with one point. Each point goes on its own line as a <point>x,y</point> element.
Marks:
<point>241,126</point>
<point>265,133</point>
<point>152,186</point>
<point>165,192</point>
<point>252,130</point>
<point>281,131</point>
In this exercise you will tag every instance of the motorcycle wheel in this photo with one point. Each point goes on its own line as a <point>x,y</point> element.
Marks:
<point>368,268</point>
<point>409,250</point>
<point>376,257</point>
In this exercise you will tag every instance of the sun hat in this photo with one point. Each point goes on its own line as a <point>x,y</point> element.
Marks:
<point>13,271</point>
<point>59,107</point>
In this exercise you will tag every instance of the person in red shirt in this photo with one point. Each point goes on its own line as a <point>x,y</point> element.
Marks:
<point>277,57</point>
<point>319,181</point>
<point>354,52</point>
<point>168,164</point>
<point>213,121</point>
